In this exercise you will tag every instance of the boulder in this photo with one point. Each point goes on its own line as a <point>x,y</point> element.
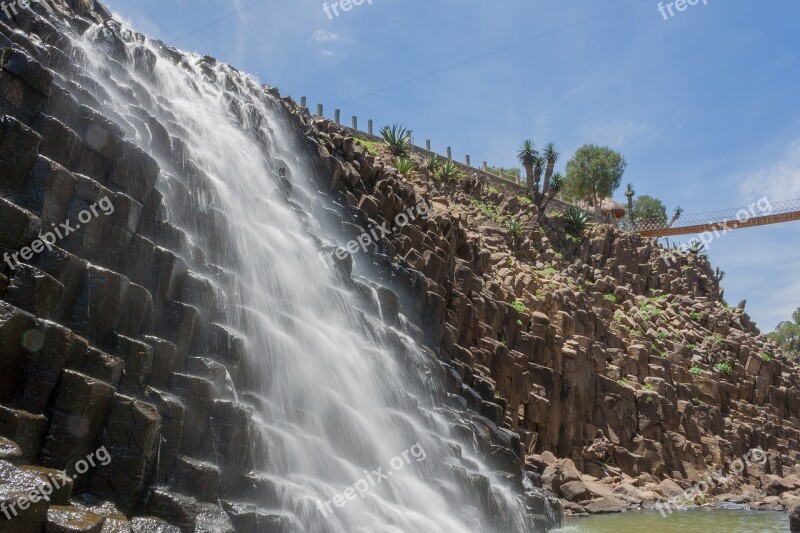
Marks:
<point>560,473</point>
<point>775,486</point>
<point>794,516</point>
<point>573,491</point>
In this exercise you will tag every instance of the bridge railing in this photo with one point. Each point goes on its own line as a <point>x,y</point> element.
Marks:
<point>733,217</point>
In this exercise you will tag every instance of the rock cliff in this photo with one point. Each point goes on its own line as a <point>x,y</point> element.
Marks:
<point>610,352</point>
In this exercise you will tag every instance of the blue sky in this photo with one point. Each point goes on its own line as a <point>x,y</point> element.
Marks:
<point>703,105</point>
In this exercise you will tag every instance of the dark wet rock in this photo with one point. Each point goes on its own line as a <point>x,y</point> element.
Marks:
<point>187,513</point>
<point>20,228</point>
<point>28,513</point>
<point>248,518</point>
<point>195,478</point>
<point>80,409</point>
<point>134,172</point>
<point>197,394</point>
<point>97,303</point>
<point>9,451</point>
<point>213,371</point>
<point>137,358</point>
<point>131,438</point>
<point>164,360</point>
<point>177,324</point>
<point>25,429</point>
<point>172,412</point>
<point>14,323</point>
<point>52,348</point>
<point>232,436</point>
<point>66,519</point>
<point>24,84</point>
<point>61,483</point>
<point>69,270</point>
<point>34,291</point>
<point>113,520</point>
<point>19,147</point>
<point>99,365</point>
<point>147,524</point>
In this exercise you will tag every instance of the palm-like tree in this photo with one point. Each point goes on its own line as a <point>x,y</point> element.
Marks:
<point>630,193</point>
<point>552,155</point>
<point>527,154</point>
<point>539,164</point>
<point>676,216</point>
<point>556,185</point>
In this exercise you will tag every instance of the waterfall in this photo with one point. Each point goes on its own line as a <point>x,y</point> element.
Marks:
<point>347,405</point>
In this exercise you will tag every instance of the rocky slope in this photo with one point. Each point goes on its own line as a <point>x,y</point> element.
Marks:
<point>608,352</point>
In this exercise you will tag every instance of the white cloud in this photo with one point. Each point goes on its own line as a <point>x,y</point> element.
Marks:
<point>779,182</point>
<point>616,133</point>
<point>322,36</point>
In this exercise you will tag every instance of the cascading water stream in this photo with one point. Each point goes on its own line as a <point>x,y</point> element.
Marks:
<point>338,393</point>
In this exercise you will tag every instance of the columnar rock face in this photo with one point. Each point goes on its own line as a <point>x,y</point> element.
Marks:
<point>605,349</point>
<point>114,341</point>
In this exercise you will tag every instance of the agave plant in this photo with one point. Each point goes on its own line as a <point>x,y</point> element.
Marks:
<point>526,155</point>
<point>449,171</point>
<point>697,248</point>
<point>398,138</point>
<point>515,228</point>
<point>576,221</point>
<point>405,166</point>
<point>433,163</point>
<point>552,155</point>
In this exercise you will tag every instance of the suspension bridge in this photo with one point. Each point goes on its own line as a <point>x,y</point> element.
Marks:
<point>760,213</point>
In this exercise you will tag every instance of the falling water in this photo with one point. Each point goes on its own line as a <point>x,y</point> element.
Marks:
<point>338,393</point>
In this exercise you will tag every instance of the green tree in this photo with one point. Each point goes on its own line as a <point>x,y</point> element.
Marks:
<point>594,173</point>
<point>648,208</point>
<point>787,335</point>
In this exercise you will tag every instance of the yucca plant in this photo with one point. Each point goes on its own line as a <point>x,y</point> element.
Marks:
<point>449,171</point>
<point>676,216</point>
<point>433,163</point>
<point>556,186</point>
<point>526,155</point>
<point>398,138</point>
<point>539,164</point>
<point>630,193</point>
<point>552,155</point>
<point>576,221</point>
<point>405,166</point>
